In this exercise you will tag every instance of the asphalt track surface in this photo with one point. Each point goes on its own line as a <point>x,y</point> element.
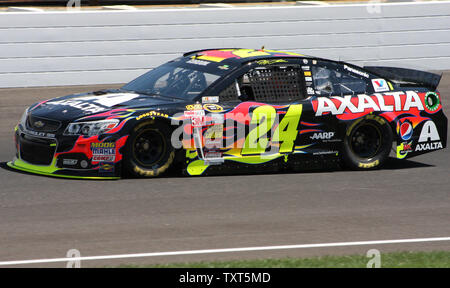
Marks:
<point>43,217</point>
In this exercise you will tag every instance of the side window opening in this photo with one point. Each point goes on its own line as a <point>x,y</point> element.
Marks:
<point>267,84</point>
<point>332,81</point>
<point>231,93</point>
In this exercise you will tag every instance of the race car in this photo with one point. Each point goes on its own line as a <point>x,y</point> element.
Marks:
<point>219,111</point>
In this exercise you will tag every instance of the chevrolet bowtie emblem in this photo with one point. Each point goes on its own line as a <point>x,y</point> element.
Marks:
<point>39,124</point>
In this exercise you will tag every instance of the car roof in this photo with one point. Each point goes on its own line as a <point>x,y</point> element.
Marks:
<point>237,56</point>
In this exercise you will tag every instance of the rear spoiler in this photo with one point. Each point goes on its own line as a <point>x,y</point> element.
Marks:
<point>417,77</point>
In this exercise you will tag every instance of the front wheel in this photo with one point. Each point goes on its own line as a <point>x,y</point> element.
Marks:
<point>148,152</point>
<point>367,143</point>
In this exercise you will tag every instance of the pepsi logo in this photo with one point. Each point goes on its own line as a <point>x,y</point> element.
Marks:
<point>406,130</point>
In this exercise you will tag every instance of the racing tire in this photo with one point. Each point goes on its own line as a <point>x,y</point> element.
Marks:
<point>148,152</point>
<point>367,143</point>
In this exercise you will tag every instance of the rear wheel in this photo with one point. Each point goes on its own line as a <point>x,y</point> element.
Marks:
<point>148,151</point>
<point>367,143</point>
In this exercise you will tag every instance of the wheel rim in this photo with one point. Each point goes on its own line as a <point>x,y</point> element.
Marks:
<point>149,147</point>
<point>366,141</point>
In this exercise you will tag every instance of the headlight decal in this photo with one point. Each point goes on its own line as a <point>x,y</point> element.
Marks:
<point>118,127</point>
<point>23,119</point>
<point>91,128</point>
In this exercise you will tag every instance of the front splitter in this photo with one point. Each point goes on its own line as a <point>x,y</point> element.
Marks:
<point>51,171</point>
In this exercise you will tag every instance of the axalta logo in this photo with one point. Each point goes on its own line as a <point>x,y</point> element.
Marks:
<point>430,136</point>
<point>392,101</point>
<point>322,136</point>
<point>428,146</point>
<point>429,132</point>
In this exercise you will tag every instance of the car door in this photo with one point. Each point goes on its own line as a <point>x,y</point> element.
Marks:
<point>332,80</point>
<point>264,108</point>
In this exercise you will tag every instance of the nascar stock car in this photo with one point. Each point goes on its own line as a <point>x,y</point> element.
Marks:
<point>219,111</point>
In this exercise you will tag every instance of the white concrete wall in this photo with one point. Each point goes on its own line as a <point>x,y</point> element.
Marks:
<point>96,47</point>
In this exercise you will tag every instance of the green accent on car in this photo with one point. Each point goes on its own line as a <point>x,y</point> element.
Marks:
<point>197,167</point>
<point>256,159</point>
<point>434,101</point>
<point>50,170</point>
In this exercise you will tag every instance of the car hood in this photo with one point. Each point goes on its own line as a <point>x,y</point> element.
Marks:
<point>75,106</point>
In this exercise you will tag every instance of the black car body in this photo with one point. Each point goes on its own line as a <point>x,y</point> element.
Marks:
<point>226,110</point>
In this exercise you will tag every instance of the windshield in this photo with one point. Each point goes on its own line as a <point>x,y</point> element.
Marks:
<point>171,80</point>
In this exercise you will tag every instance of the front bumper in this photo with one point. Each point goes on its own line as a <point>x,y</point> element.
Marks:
<point>68,157</point>
<point>51,170</point>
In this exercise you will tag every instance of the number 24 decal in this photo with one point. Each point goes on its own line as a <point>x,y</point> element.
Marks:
<point>286,132</point>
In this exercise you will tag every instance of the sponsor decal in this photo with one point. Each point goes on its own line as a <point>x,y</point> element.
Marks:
<point>306,68</point>
<point>198,62</point>
<point>405,129</point>
<point>429,132</point>
<point>212,108</point>
<point>393,101</point>
<point>103,145</point>
<point>270,62</point>
<point>106,167</point>
<point>224,67</point>
<point>369,165</point>
<point>210,99</point>
<point>103,152</point>
<point>403,149</point>
<point>40,134</point>
<point>103,158</point>
<point>152,114</point>
<point>84,164</point>
<point>39,124</point>
<point>308,79</point>
<point>428,146</point>
<point>430,136</point>
<point>213,154</point>
<point>356,71</point>
<point>380,85</point>
<point>432,101</point>
<point>83,106</point>
<point>305,61</point>
<point>197,117</point>
<point>70,162</point>
<point>322,136</point>
<point>214,131</point>
<point>213,157</point>
<point>326,153</point>
<point>214,136</point>
<point>194,107</point>
<point>310,91</point>
<point>307,73</point>
<point>108,100</point>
